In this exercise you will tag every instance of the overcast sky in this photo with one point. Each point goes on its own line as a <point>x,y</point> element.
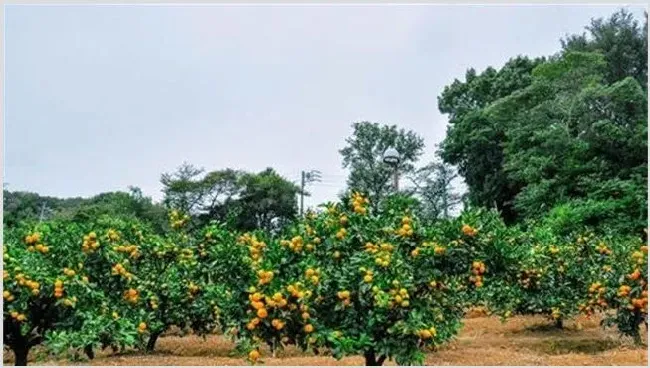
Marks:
<point>102,97</point>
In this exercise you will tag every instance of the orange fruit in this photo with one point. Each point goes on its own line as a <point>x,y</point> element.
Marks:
<point>262,313</point>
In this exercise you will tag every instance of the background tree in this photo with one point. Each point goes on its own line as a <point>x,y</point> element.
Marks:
<point>21,206</point>
<point>621,41</point>
<point>132,205</point>
<point>246,201</point>
<point>183,189</point>
<point>473,142</point>
<point>363,156</point>
<point>433,185</point>
<point>581,141</point>
<point>266,201</point>
<point>566,131</point>
<point>26,206</point>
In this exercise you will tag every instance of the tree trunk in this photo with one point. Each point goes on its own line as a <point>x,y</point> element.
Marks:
<point>151,344</point>
<point>637,335</point>
<point>559,324</point>
<point>20,354</point>
<point>90,353</point>
<point>372,360</point>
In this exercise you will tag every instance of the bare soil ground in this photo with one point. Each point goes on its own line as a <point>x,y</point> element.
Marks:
<point>483,341</point>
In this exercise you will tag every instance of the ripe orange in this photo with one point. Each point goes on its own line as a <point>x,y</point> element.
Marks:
<point>262,313</point>
<point>254,355</point>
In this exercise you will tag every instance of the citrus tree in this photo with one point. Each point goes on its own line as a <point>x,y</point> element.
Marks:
<point>50,292</point>
<point>625,289</point>
<point>180,283</point>
<point>561,277</point>
<point>80,286</point>
<point>500,248</point>
<point>556,272</point>
<point>357,280</point>
<point>117,267</point>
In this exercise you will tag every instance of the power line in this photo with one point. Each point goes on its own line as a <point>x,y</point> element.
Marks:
<point>329,185</point>
<point>333,182</point>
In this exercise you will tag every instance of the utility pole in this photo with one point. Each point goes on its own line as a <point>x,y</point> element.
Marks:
<point>302,192</point>
<point>306,178</point>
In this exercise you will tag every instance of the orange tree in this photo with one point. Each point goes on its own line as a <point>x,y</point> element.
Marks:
<point>49,291</point>
<point>108,283</point>
<point>116,267</point>
<point>180,281</point>
<point>359,280</point>
<point>500,248</point>
<point>225,266</point>
<point>563,276</point>
<point>553,274</point>
<point>624,287</point>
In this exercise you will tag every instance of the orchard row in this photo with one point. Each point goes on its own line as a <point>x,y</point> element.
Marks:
<point>355,278</point>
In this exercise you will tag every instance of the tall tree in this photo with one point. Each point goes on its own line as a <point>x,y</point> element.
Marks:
<point>583,141</point>
<point>363,156</point>
<point>567,129</point>
<point>184,189</point>
<point>621,40</point>
<point>474,142</point>
<point>222,188</point>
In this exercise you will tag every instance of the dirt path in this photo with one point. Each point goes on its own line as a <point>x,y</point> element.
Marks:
<point>483,341</point>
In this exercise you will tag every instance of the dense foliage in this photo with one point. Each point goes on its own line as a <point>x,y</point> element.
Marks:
<point>562,138</point>
<point>246,201</point>
<point>21,207</point>
<point>352,279</point>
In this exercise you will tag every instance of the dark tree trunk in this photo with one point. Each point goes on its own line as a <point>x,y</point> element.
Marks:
<point>381,359</point>
<point>151,344</point>
<point>559,324</point>
<point>637,330</point>
<point>21,355</point>
<point>372,360</point>
<point>90,353</point>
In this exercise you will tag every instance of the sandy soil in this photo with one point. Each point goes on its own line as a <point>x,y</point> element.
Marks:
<point>483,341</point>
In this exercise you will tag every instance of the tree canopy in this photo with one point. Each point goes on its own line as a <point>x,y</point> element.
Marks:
<point>541,137</point>
<point>26,206</point>
<point>246,201</point>
<point>363,156</point>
